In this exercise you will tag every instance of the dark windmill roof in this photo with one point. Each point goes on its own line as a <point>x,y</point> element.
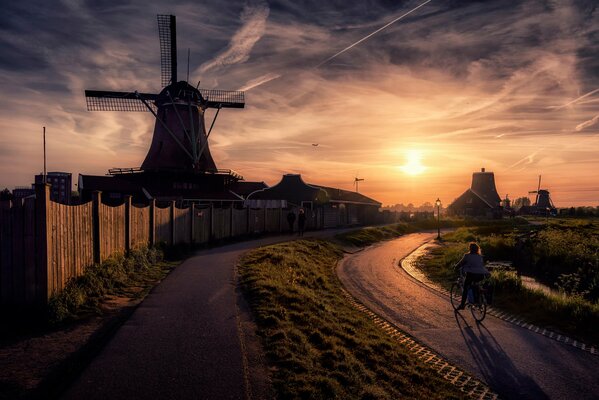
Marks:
<point>292,189</point>
<point>347,196</point>
<point>483,184</point>
<point>243,188</point>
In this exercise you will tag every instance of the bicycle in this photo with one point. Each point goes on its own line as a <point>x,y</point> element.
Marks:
<point>477,308</point>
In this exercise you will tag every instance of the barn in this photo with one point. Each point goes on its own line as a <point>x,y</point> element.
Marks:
<point>480,200</point>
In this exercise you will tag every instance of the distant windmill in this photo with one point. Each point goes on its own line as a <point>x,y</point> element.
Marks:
<point>543,202</point>
<point>536,192</point>
<point>356,181</point>
<point>180,141</point>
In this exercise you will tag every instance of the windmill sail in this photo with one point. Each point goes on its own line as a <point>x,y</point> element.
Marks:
<point>102,100</point>
<point>167,33</point>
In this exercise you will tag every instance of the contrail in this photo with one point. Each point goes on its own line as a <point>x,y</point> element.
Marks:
<point>372,34</point>
<point>575,100</point>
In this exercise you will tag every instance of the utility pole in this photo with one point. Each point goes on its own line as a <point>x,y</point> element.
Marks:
<point>45,174</point>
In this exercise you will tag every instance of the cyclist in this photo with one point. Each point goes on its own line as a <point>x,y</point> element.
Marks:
<point>473,267</point>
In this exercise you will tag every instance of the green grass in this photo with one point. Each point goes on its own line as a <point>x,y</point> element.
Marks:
<point>318,345</point>
<point>131,276</point>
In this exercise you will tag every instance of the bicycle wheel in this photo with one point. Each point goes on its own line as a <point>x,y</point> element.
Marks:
<point>479,310</point>
<point>455,295</point>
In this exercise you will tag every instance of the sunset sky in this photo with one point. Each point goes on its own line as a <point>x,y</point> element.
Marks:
<point>512,86</point>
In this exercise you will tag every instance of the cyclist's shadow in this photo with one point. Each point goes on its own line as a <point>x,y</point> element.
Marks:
<point>495,364</point>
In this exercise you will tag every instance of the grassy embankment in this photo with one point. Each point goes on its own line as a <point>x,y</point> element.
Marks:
<point>561,254</point>
<point>318,345</point>
<point>130,277</point>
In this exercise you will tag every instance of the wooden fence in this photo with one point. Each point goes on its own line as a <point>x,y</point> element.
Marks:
<point>44,244</point>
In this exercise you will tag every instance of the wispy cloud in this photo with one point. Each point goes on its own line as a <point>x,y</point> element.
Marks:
<point>252,83</point>
<point>253,18</point>
<point>587,124</point>
<point>576,100</point>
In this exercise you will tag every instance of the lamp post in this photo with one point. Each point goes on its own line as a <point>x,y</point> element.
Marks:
<point>438,204</point>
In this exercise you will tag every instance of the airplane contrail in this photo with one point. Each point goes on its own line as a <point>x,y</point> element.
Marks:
<point>592,92</point>
<point>372,34</point>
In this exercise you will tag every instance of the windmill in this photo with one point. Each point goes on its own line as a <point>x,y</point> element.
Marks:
<point>543,203</point>
<point>356,181</point>
<point>180,140</point>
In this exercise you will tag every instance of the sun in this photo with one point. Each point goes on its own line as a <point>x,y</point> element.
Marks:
<point>413,165</point>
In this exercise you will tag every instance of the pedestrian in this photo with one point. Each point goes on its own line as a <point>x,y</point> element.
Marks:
<point>472,265</point>
<point>301,222</point>
<point>291,220</point>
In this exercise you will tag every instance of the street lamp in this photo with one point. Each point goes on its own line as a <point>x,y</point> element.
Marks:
<point>438,204</point>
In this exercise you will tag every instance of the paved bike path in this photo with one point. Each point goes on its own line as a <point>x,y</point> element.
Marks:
<point>191,338</point>
<point>513,361</point>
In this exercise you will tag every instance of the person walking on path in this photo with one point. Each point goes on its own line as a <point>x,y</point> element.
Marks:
<point>301,222</point>
<point>291,220</point>
<point>472,265</point>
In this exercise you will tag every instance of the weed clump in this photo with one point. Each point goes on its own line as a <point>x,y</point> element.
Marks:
<point>115,276</point>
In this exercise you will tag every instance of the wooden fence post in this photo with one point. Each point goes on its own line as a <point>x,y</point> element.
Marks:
<point>172,213</point>
<point>42,239</point>
<point>264,230</point>
<point>280,219</point>
<point>192,211</point>
<point>211,237</point>
<point>231,221</point>
<point>7,239</point>
<point>127,224</point>
<point>248,214</point>
<point>96,202</point>
<point>152,222</point>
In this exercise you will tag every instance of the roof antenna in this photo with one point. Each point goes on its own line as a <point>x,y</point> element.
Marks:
<point>188,50</point>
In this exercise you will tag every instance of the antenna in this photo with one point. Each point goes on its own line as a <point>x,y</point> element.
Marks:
<point>188,51</point>
<point>356,180</point>
<point>45,174</point>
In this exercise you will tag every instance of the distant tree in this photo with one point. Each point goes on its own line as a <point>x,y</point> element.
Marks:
<point>521,202</point>
<point>5,195</point>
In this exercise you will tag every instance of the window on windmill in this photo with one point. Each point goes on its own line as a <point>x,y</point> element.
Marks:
<point>469,201</point>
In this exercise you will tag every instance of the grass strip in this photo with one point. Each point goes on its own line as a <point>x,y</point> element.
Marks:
<point>318,345</point>
<point>571,315</point>
<point>132,276</point>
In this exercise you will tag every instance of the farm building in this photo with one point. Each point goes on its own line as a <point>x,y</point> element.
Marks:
<point>326,206</point>
<point>480,200</point>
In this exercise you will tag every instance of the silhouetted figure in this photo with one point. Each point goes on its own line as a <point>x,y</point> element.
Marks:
<point>301,222</point>
<point>291,220</point>
<point>473,267</point>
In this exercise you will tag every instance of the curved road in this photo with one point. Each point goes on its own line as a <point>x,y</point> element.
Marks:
<point>515,362</point>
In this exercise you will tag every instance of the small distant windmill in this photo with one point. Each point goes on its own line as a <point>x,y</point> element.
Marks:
<point>543,202</point>
<point>180,141</point>
<point>356,181</point>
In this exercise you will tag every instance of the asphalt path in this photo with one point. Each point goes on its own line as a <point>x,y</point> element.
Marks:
<point>191,338</point>
<point>515,362</point>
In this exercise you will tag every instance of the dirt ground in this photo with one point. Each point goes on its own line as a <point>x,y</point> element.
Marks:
<point>31,360</point>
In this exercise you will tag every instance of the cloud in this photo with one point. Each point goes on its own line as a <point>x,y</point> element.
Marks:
<point>587,124</point>
<point>252,83</point>
<point>253,18</point>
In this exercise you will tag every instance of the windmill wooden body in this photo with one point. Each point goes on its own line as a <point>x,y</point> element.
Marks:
<point>178,163</point>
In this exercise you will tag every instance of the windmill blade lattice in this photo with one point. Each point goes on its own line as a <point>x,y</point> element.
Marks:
<point>102,100</point>
<point>167,33</point>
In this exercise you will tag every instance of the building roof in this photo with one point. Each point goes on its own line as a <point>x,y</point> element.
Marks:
<point>108,184</point>
<point>461,200</point>
<point>347,196</point>
<point>295,191</point>
<point>292,189</point>
<point>243,188</point>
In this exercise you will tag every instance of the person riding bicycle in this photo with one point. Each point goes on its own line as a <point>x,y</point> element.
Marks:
<point>473,267</point>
